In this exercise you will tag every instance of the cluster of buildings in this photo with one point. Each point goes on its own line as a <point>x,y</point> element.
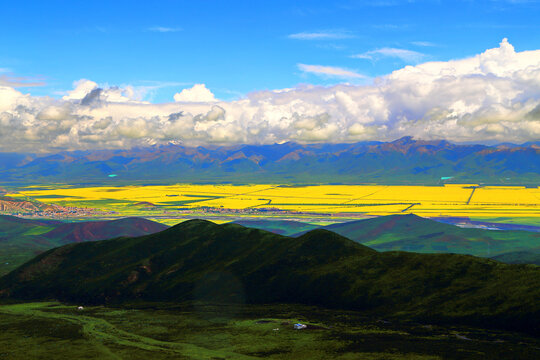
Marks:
<point>58,212</point>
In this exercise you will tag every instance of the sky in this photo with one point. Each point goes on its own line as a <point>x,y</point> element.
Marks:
<point>84,75</point>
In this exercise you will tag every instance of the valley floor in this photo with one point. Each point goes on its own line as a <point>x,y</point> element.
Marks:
<point>172,203</point>
<point>201,331</point>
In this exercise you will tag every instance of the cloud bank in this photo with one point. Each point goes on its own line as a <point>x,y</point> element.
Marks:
<point>492,96</point>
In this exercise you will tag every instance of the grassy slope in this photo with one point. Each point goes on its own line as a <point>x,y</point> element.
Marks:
<point>229,263</point>
<point>52,330</point>
<point>22,239</point>
<point>531,256</point>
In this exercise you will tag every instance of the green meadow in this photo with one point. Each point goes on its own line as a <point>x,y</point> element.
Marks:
<point>205,331</point>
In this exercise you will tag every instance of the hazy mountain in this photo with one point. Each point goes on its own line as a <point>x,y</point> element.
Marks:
<point>201,261</point>
<point>282,227</point>
<point>22,239</point>
<point>414,233</point>
<point>101,230</point>
<point>404,161</point>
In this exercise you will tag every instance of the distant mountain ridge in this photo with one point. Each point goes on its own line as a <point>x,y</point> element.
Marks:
<point>414,233</point>
<point>105,229</point>
<point>201,261</point>
<point>281,227</point>
<point>403,161</point>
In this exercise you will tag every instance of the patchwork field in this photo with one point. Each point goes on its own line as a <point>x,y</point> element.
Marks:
<point>465,200</point>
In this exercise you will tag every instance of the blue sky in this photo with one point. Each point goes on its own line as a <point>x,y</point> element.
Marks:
<point>237,47</point>
<point>118,74</point>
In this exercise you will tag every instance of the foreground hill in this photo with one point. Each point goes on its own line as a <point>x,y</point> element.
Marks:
<point>22,239</point>
<point>403,161</point>
<point>202,261</point>
<point>531,256</point>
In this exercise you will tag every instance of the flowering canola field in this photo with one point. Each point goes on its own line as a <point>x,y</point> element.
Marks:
<point>449,200</point>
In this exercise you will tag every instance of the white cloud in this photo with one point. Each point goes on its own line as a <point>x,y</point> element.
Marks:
<point>163,29</point>
<point>331,71</point>
<point>403,54</point>
<point>198,93</point>
<point>424,43</point>
<point>321,35</point>
<point>11,98</point>
<point>82,88</point>
<point>87,92</point>
<point>7,79</point>
<point>493,96</point>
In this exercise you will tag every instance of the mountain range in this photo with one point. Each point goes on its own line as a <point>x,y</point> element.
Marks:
<point>403,161</point>
<point>207,263</point>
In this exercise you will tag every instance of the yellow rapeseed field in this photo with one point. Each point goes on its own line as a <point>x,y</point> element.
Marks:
<point>449,200</point>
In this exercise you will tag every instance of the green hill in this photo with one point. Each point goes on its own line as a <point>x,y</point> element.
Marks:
<point>414,233</point>
<point>201,261</point>
<point>531,256</point>
<point>22,239</point>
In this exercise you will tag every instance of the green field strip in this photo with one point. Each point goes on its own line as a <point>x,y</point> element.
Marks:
<point>38,230</point>
<point>341,205</point>
<point>209,197</point>
<point>52,196</point>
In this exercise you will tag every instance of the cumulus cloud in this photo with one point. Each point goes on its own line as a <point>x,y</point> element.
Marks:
<point>198,93</point>
<point>82,88</point>
<point>329,71</point>
<point>87,92</point>
<point>493,96</point>
<point>403,54</point>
